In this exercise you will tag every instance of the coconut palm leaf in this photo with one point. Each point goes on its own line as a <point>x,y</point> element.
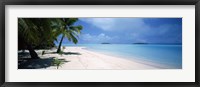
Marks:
<point>71,32</point>
<point>38,31</point>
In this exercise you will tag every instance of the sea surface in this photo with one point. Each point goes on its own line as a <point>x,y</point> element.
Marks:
<point>164,54</point>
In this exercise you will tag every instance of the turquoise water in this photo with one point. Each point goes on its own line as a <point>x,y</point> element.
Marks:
<point>169,55</point>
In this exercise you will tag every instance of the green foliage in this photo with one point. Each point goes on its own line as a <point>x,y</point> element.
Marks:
<point>61,53</point>
<point>42,32</point>
<point>70,31</point>
<point>38,32</point>
<point>58,63</point>
<point>43,52</point>
<point>63,47</point>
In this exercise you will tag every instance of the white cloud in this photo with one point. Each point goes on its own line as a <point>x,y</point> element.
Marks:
<point>131,30</point>
<point>102,23</point>
<point>97,38</point>
<point>103,37</point>
<point>109,24</point>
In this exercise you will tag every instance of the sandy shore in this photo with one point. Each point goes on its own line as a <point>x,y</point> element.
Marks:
<point>80,58</point>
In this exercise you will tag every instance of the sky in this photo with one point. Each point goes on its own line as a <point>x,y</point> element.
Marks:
<point>129,30</point>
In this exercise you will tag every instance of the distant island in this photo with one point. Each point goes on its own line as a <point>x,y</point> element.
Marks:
<point>161,43</point>
<point>105,43</point>
<point>139,43</point>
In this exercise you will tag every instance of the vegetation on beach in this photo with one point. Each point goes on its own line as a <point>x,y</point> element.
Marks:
<point>40,33</point>
<point>58,63</point>
<point>33,32</point>
<point>69,31</point>
<point>43,52</point>
<point>61,53</point>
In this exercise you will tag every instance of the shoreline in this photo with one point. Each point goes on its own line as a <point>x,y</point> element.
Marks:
<point>136,59</point>
<point>78,58</point>
<point>95,60</point>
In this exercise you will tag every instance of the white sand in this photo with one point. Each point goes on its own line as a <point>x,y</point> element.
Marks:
<point>85,59</point>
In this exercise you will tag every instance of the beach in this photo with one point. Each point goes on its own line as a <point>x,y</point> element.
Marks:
<point>63,46</point>
<point>80,58</point>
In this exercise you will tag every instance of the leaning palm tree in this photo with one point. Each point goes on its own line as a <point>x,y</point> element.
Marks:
<point>33,32</point>
<point>27,33</point>
<point>69,30</point>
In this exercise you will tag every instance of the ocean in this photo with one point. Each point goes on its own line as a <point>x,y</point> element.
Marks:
<point>164,54</point>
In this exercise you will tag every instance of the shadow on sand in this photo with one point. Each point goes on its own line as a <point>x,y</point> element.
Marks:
<point>71,53</point>
<point>25,61</point>
<point>65,53</point>
<point>28,63</point>
<point>23,54</point>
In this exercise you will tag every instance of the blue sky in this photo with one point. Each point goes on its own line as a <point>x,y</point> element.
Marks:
<point>129,30</point>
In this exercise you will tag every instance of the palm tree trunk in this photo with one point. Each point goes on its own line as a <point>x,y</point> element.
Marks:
<point>32,52</point>
<point>59,47</point>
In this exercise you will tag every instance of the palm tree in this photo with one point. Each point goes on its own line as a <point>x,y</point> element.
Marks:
<point>70,31</point>
<point>33,32</point>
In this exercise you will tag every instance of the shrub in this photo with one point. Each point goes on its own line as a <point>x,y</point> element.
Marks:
<point>43,52</point>
<point>58,63</point>
<point>63,47</point>
<point>61,52</point>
